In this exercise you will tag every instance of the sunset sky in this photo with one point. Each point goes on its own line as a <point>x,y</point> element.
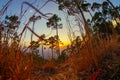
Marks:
<point>40,25</point>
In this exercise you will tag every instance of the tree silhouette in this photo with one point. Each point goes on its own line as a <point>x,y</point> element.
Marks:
<point>101,23</point>
<point>85,7</point>
<point>10,26</point>
<point>116,11</point>
<point>53,22</point>
<point>42,43</point>
<point>34,19</point>
<point>76,44</point>
<point>96,6</point>
<point>74,7</point>
<point>52,43</point>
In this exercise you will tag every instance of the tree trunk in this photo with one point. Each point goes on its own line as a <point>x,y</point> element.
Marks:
<point>52,52</point>
<point>42,52</point>
<point>58,47</point>
<point>85,22</point>
<point>52,49</point>
<point>33,30</point>
<point>90,13</point>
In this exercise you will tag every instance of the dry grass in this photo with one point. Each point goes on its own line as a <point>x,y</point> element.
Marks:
<point>91,57</point>
<point>94,54</point>
<point>14,65</point>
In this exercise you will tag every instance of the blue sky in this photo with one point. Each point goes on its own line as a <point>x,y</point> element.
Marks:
<point>40,25</point>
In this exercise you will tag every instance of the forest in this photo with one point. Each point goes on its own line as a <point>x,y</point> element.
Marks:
<point>92,50</point>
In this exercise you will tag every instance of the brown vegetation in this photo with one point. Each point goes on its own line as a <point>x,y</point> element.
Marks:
<point>14,64</point>
<point>81,66</point>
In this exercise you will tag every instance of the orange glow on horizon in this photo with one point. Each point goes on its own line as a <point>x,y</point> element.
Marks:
<point>27,43</point>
